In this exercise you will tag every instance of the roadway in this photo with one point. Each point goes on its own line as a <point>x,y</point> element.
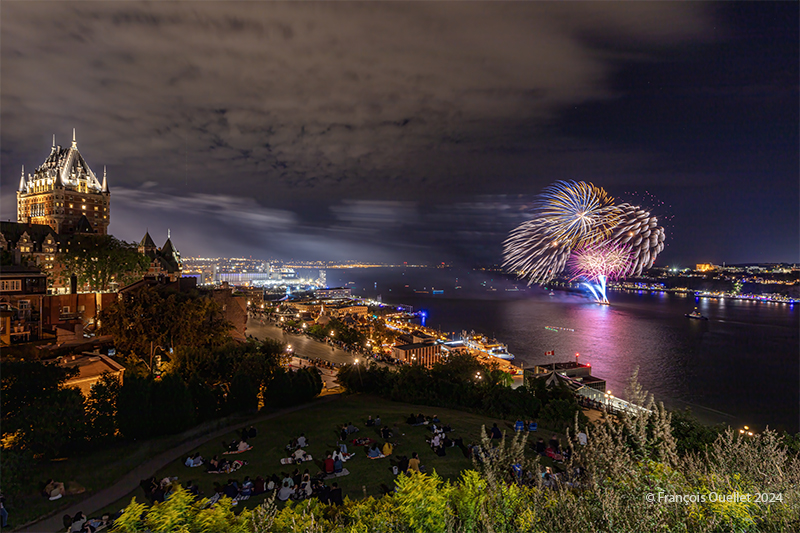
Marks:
<point>302,345</point>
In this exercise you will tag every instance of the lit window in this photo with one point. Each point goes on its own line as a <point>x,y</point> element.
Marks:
<point>83,207</point>
<point>71,206</point>
<point>10,285</point>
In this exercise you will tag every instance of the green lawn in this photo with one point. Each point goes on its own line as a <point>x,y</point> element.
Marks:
<point>97,470</point>
<point>320,425</point>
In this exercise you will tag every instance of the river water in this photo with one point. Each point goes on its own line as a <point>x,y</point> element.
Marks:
<point>742,366</point>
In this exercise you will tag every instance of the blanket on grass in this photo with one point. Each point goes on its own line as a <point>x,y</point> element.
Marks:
<point>232,467</point>
<point>292,460</point>
<point>238,451</point>
<point>344,472</point>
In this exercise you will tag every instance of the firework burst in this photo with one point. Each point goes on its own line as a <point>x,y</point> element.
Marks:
<point>577,217</point>
<point>612,261</point>
<point>567,215</point>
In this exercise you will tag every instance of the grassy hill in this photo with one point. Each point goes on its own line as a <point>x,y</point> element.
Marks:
<point>321,426</point>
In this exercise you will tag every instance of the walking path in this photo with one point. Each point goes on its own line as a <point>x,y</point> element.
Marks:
<point>130,481</point>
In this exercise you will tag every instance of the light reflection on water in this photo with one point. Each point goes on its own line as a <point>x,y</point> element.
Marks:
<point>741,366</point>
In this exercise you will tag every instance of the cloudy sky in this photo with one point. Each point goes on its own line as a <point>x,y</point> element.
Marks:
<point>411,131</point>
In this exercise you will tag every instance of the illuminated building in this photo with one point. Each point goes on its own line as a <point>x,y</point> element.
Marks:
<point>165,262</point>
<point>705,267</point>
<point>65,194</point>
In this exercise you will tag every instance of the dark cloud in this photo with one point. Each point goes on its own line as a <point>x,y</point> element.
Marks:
<point>359,110</point>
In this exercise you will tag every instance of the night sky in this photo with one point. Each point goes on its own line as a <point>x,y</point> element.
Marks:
<point>412,131</point>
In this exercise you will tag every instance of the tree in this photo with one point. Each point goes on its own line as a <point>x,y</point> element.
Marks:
<point>97,260</point>
<point>171,408</point>
<point>39,413</point>
<point>243,394</point>
<point>133,407</point>
<point>147,319</point>
<point>101,407</point>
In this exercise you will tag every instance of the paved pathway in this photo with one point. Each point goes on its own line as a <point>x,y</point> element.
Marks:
<point>130,481</point>
<point>302,345</point>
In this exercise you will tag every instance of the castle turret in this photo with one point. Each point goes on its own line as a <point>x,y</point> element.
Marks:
<point>62,191</point>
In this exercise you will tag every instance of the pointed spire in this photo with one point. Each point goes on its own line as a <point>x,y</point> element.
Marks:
<point>54,140</point>
<point>74,142</point>
<point>168,235</point>
<point>105,182</point>
<point>22,179</point>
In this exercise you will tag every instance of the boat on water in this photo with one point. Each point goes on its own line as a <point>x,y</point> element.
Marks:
<point>490,347</point>
<point>696,315</point>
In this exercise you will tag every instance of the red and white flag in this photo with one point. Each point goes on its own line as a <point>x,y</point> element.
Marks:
<point>551,352</point>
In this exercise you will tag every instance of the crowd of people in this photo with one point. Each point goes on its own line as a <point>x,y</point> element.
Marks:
<point>316,482</point>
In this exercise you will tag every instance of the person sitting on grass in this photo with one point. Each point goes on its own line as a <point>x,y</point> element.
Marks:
<point>231,489</point>
<point>285,492</point>
<point>242,446</point>
<point>291,446</point>
<point>387,448</point>
<point>302,441</point>
<point>378,420</point>
<point>335,495</point>
<point>54,489</point>
<point>328,464</point>
<point>299,455</point>
<point>412,419</point>
<point>554,455</point>
<point>540,446</point>
<point>338,465</point>
<point>259,486</point>
<point>386,433</point>
<point>338,456</point>
<point>402,464</point>
<point>247,487</point>
<point>77,522</point>
<point>496,432</point>
<point>435,419</point>
<point>351,428</point>
<point>370,422</point>
<point>374,452</point>
<point>413,463</point>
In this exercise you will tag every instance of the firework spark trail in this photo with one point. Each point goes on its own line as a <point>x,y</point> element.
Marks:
<point>567,215</point>
<point>639,230</point>
<point>572,215</point>
<point>612,261</point>
<point>579,213</point>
